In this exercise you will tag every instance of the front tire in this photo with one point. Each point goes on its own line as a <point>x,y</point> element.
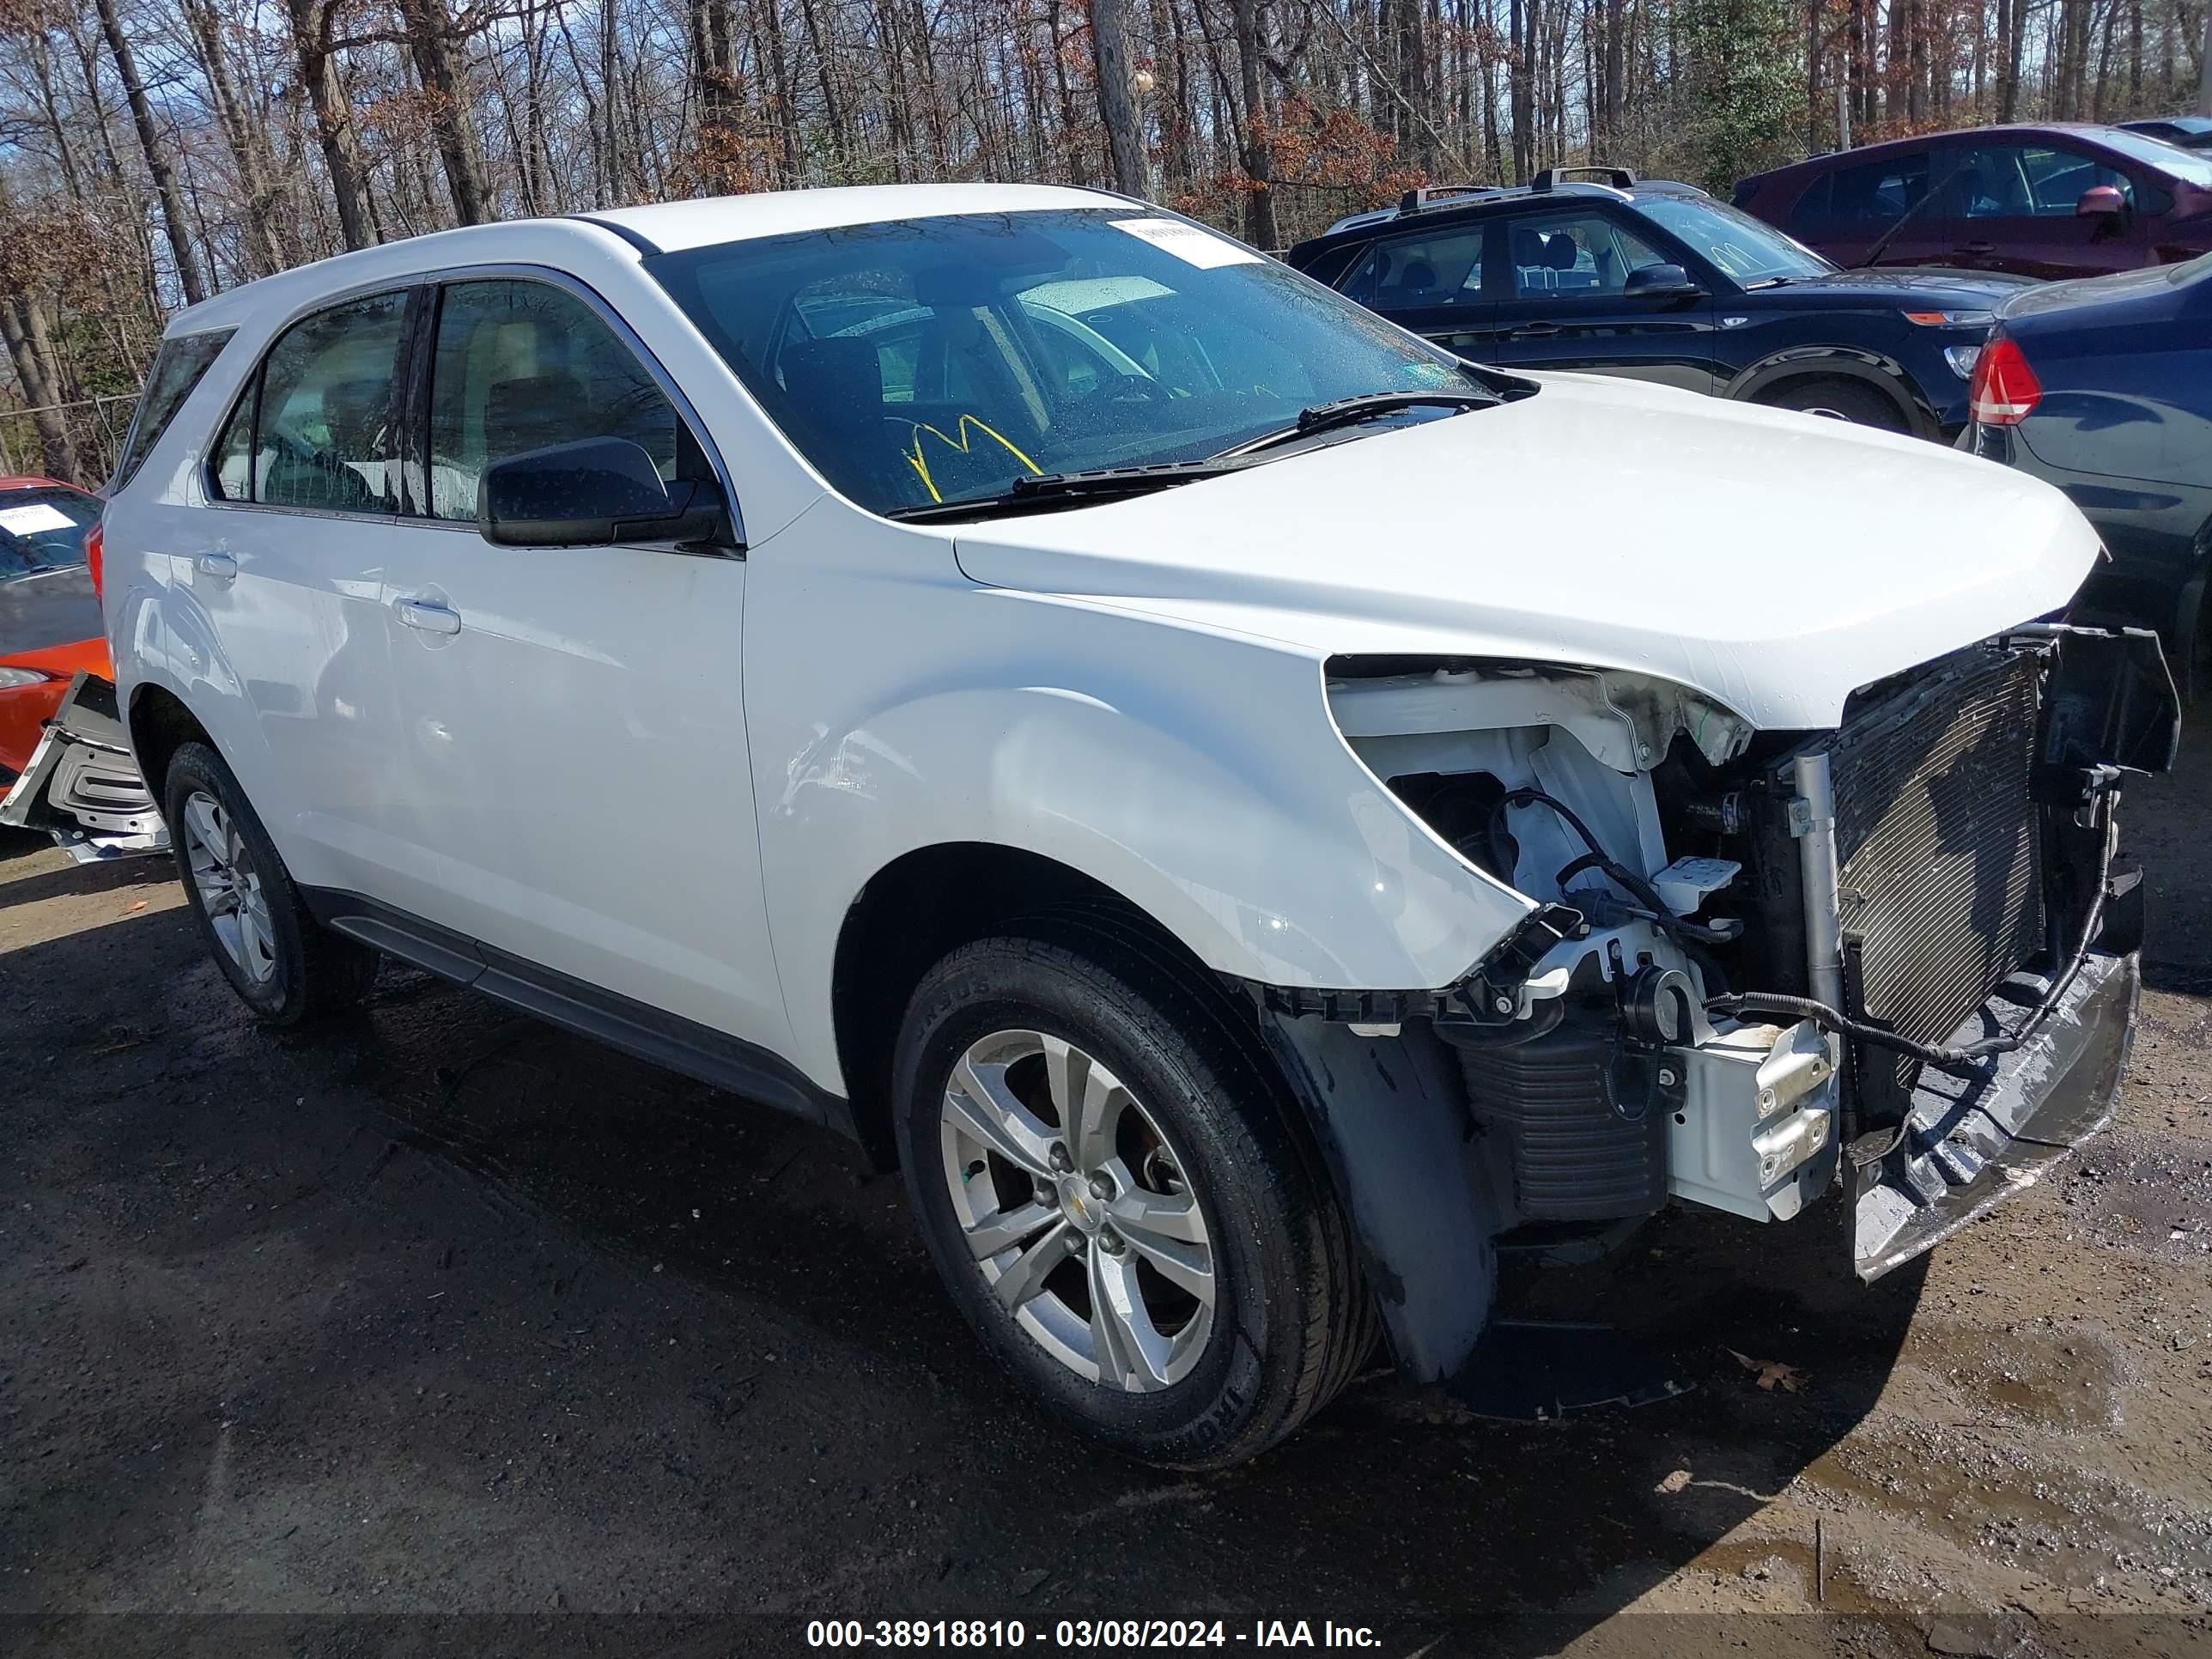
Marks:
<point>284,965</point>
<point>1115,1196</point>
<point>1841,400</point>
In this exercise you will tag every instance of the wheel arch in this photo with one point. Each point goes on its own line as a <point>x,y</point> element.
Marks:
<point>923,905</point>
<point>1874,369</point>
<point>160,724</point>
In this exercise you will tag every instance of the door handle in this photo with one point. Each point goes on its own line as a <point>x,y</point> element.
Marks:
<point>1533,331</point>
<point>425,618</point>
<point>1981,247</point>
<point>221,566</point>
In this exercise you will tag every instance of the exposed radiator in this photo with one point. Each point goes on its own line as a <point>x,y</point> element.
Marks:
<point>1938,844</point>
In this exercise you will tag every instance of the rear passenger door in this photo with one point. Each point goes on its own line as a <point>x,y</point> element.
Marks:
<point>1848,214</point>
<point>575,760</point>
<point>1568,304</point>
<point>285,573</point>
<point>1433,283</point>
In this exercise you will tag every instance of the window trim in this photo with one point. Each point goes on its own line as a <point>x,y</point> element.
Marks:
<point>211,459</point>
<point>422,350</point>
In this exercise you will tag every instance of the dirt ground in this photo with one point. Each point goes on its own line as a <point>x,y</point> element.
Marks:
<point>441,1331</point>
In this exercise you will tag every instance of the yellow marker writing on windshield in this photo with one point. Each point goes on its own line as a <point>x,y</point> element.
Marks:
<point>961,442</point>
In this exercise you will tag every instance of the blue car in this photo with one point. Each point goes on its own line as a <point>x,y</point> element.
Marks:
<point>1656,281</point>
<point>2105,388</point>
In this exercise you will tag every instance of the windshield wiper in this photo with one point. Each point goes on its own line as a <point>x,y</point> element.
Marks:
<point>1049,489</point>
<point>1351,411</point>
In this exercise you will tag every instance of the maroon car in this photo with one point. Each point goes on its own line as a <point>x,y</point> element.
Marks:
<point>2040,201</point>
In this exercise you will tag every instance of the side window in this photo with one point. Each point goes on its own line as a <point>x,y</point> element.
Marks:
<point>2057,178</point>
<point>1561,254</point>
<point>177,369</point>
<point>315,428</point>
<point>1441,269</point>
<point>524,365</point>
<point>1874,195</point>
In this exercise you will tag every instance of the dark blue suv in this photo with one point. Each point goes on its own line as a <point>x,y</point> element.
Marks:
<point>1659,282</point>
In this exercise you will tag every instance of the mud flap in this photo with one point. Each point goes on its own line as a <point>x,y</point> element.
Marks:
<point>82,787</point>
<point>1391,1118</point>
<point>1969,1143</point>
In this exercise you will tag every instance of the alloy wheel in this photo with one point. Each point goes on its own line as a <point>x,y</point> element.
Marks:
<point>229,886</point>
<point>1078,1211</point>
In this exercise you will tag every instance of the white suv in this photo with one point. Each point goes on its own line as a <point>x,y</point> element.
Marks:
<point>1246,808</point>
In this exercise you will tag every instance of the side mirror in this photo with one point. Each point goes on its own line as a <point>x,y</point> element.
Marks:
<point>2101,202</point>
<point>595,493</point>
<point>1667,281</point>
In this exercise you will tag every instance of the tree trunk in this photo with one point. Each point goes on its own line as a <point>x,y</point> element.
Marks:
<point>2205,79</point>
<point>264,236</point>
<point>312,21</point>
<point>433,46</point>
<point>1259,151</point>
<point>157,161</point>
<point>1117,98</point>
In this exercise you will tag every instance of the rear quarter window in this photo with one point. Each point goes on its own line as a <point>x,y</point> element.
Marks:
<point>177,367</point>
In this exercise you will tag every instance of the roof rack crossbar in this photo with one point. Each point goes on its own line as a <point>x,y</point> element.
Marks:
<point>1427,196</point>
<point>1553,177</point>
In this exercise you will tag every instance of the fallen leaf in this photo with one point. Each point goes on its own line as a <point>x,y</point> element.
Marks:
<point>1772,1373</point>
<point>133,910</point>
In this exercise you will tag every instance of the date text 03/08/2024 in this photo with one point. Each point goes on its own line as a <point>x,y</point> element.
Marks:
<point>1086,1633</point>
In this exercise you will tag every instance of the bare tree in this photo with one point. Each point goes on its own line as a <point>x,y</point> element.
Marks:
<point>1117,96</point>
<point>156,157</point>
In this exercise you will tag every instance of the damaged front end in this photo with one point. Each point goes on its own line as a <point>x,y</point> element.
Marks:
<point>82,787</point>
<point>1894,957</point>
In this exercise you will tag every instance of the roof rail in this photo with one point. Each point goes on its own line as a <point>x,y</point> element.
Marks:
<point>1553,177</point>
<point>1428,196</point>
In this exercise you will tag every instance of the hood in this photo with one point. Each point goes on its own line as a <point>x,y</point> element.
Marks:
<point>1774,561</point>
<point>50,608</point>
<point>1935,288</point>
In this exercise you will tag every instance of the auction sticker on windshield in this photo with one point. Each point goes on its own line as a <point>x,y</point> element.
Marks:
<point>29,521</point>
<point>1192,244</point>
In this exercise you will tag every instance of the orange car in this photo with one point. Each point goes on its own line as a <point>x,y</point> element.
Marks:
<point>61,753</point>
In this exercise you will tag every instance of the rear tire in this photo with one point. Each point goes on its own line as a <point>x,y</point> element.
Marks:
<point>1839,399</point>
<point>1172,1275</point>
<point>284,964</point>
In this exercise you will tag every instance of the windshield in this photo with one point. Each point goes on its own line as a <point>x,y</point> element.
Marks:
<point>1742,248</point>
<point>940,360</point>
<point>2189,166</point>
<point>43,528</point>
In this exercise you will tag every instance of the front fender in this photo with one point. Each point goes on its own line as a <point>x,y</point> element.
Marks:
<point>1196,775</point>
